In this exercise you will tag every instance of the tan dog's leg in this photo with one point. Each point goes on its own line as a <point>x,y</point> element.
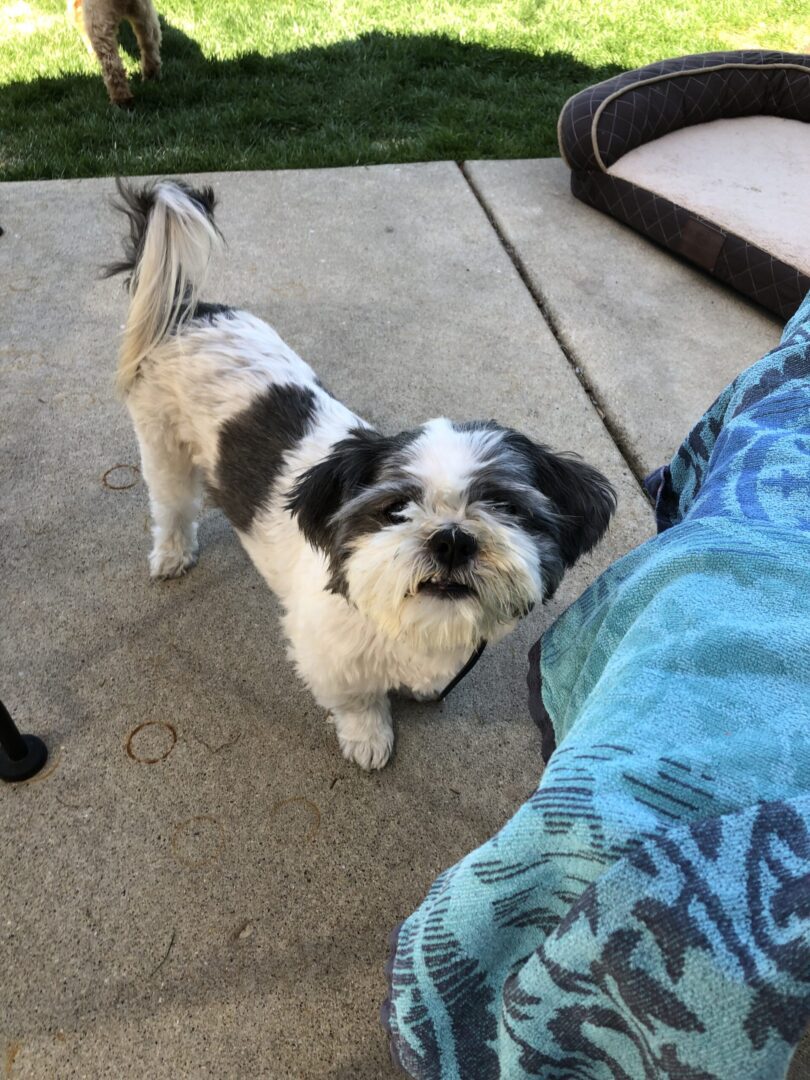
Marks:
<point>101,27</point>
<point>145,23</point>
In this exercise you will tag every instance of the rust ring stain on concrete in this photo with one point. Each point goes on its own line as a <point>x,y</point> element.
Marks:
<point>134,477</point>
<point>132,753</point>
<point>314,812</point>
<point>191,834</point>
<point>12,1049</point>
<point>53,764</point>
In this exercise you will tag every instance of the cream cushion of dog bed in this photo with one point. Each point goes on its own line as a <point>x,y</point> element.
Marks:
<point>750,176</point>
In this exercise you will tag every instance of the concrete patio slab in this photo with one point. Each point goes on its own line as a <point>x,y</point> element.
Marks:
<point>655,339</point>
<point>198,884</point>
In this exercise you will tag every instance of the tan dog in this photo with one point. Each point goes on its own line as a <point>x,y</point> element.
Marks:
<point>99,21</point>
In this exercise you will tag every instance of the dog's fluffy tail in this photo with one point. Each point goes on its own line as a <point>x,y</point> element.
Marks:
<point>171,236</point>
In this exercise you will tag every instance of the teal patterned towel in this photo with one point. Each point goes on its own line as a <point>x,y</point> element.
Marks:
<point>646,913</point>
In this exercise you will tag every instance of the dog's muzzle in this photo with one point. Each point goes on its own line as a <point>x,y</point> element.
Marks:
<point>452,547</point>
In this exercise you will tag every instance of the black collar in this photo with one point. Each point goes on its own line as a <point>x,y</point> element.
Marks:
<point>476,656</point>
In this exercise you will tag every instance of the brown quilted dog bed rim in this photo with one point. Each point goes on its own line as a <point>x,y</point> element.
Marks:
<point>597,126</point>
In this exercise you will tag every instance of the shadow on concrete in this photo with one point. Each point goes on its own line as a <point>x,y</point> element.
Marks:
<point>377,98</point>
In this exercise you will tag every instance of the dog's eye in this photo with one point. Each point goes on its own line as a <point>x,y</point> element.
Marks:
<point>507,508</point>
<point>395,510</point>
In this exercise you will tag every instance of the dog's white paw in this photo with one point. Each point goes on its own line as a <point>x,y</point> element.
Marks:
<point>371,753</point>
<point>171,562</point>
<point>366,738</point>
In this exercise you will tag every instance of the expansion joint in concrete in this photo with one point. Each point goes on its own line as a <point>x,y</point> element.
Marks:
<point>617,435</point>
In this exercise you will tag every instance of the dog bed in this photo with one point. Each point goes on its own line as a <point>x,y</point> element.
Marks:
<point>646,913</point>
<point>708,155</point>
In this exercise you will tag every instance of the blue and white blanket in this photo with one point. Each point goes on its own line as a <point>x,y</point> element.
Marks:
<point>646,913</point>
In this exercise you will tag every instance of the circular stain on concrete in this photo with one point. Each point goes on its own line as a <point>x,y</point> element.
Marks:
<point>296,819</point>
<point>121,477</point>
<point>198,841</point>
<point>151,742</point>
<point>54,761</point>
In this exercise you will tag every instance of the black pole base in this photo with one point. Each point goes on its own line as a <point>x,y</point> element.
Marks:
<point>14,771</point>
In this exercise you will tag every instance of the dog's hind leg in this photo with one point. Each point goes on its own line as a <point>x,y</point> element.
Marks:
<point>101,28</point>
<point>175,497</point>
<point>144,22</point>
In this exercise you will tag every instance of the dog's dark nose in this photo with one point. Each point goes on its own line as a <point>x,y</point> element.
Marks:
<point>452,547</point>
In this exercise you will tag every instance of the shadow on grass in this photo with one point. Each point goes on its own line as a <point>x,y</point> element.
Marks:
<point>380,97</point>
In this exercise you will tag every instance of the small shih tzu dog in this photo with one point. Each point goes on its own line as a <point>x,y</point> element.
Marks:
<point>99,20</point>
<point>394,556</point>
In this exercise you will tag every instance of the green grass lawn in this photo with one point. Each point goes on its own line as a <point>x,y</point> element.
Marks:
<point>255,84</point>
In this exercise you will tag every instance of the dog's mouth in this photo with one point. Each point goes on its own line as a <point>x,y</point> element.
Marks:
<point>446,590</point>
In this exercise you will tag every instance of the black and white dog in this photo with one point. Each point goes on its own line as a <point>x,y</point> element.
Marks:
<point>394,556</point>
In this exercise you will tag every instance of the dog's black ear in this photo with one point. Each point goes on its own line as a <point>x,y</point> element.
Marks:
<point>585,499</point>
<point>353,464</point>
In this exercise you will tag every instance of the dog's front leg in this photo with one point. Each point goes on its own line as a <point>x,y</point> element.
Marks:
<point>364,730</point>
<point>341,663</point>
